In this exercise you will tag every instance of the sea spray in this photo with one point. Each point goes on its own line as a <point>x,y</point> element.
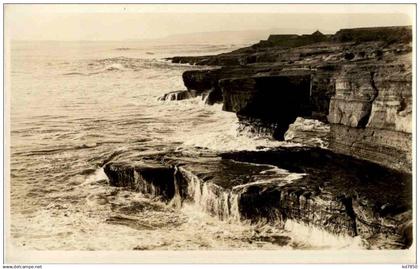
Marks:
<point>225,205</point>
<point>211,198</point>
<point>316,237</point>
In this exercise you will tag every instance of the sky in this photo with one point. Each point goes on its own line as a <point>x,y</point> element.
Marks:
<point>139,22</point>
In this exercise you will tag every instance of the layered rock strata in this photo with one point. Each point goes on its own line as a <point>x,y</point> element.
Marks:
<point>368,201</point>
<point>358,80</point>
<point>371,112</point>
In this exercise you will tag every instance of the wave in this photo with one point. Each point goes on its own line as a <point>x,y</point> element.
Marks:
<point>309,132</point>
<point>108,68</point>
<point>57,150</point>
<point>97,176</point>
<point>210,127</point>
<point>226,135</point>
<point>122,64</point>
<point>114,67</point>
<point>76,74</point>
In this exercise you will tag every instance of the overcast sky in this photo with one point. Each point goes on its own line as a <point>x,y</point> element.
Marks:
<point>122,22</point>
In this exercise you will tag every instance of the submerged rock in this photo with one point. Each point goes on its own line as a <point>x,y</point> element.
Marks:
<point>176,96</point>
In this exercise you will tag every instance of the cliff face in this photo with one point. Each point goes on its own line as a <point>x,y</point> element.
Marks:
<point>371,111</point>
<point>358,80</point>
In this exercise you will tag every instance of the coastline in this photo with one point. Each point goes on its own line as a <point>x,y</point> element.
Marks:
<point>352,88</point>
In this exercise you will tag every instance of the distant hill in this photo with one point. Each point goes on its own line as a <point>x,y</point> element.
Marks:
<point>226,37</point>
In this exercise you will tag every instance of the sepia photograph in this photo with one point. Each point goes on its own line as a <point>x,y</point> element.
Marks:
<point>209,133</point>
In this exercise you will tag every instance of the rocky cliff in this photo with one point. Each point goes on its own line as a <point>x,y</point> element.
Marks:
<point>371,111</point>
<point>358,80</point>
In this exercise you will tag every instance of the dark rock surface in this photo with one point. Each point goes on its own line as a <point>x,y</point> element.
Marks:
<point>153,179</point>
<point>276,100</point>
<point>333,192</point>
<point>290,41</point>
<point>388,34</point>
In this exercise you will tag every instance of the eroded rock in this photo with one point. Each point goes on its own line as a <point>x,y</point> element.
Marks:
<point>334,192</point>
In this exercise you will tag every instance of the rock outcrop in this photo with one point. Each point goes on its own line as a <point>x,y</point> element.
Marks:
<point>358,80</point>
<point>386,34</point>
<point>280,185</point>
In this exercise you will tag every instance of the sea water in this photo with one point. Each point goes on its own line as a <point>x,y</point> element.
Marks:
<point>74,104</point>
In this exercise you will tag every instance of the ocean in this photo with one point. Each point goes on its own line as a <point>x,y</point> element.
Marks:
<point>75,104</point>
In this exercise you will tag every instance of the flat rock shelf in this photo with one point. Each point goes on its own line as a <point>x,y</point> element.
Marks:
<point>336,193</point>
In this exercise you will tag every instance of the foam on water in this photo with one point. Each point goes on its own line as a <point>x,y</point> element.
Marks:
<point>316,238</point>
<point>276,181</point>
<point>98,176</point>
<point>64,127</point>
<point>309,132</point>
<point>217,130</point>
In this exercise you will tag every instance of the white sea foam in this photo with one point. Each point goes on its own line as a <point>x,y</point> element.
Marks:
<point>315,237</point>
<point>273,181</point>
<point>98,176</point>
<point>218,130</point>
<point>309,132</point>
<point>56,205</point>
<point>115,67</point>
